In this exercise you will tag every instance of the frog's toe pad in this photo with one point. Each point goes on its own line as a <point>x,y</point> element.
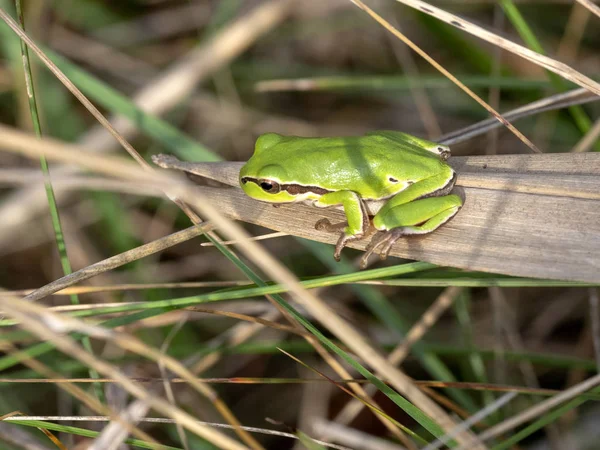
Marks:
<point>385,240</point>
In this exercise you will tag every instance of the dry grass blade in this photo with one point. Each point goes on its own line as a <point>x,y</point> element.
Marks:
<point>543,61</point>
<point>76,92</point>
<point>540,408</point>
<point>163,93</point>
<point>90,401</point>
<point>524,215</point>
<point>425,384</point>
<point>164,420</point>
<point>351,436</point>
<point>543,235</point>
<point>588,140</point>
<point>591,6</point>
<point>554,102</point>
<point>447,74</point>
<point>116,261</point>
<point>418,330</point>
<point>21,143</point>
<point>177,83</point>
<point>52,327</point>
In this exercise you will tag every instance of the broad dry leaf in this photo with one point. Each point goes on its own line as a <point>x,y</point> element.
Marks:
<point>524,215</point>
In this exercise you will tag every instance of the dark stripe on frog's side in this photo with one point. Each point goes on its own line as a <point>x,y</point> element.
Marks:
<point>297,189</point>
<point>293,189</point>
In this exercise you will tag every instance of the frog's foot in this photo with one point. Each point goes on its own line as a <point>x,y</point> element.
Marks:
<point>326,225</point>
<point>383,239</point>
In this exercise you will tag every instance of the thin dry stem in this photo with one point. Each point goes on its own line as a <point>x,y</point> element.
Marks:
<point>541,408</point>
<point>166,421</point>
<point>165,376</point>
<point>89,400</point>
<point>417,331</point>
<point>75,91</point>
<point>160,95</point>
<point>591,6</point>
<point>447,74</point>
<point>116,261</point>
<point>51,327</point>
<point>543,61</point>
<point>589,139</point>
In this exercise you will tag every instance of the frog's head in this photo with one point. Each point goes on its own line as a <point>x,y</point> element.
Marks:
<point>262,177</point>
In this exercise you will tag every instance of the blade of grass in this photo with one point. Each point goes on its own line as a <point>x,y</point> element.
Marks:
<point>477,366</point>
<point>472,280</point>
<point>556,101</point>
<point>82,432</point>
<point>42,421</point>
<point>392,82</point>
<point>591,6</point>
<point>445,72</point>
<point>232,294</point>
<point>580,117</point>
<point>542,422</point>
<point>52,205</point>
<point>381,308</point>
<point>417,414</point>
<point>543,61</point>
<point>54,328</point>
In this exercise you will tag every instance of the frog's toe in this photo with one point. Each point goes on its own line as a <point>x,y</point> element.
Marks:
<point>376,241</point>
<point>383,239</point>
<point>341,243</point>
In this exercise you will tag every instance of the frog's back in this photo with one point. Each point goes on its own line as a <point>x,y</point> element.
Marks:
<point>364,164</point>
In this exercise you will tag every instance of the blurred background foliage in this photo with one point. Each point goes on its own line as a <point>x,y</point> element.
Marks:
<point>325,69</point>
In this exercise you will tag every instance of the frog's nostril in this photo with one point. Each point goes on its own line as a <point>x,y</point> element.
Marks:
<point>244,180</point>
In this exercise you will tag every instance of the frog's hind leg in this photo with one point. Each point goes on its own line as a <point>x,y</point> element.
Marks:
<point>356,213</point>
<point>418,217</point>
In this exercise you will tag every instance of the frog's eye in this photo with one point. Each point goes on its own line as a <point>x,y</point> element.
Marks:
<point>269,186</point>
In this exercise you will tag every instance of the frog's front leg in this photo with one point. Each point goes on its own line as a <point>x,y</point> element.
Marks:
<point>356,213</point>
<point>420,209</point>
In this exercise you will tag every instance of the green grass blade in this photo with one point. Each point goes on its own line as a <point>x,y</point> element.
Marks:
<point>381,308</point>
<point>104,95</point>
<point>424,420</point>
<point>52,205</point>
<point>475,361</point>
<point>83,432</point>
<point>546,419</point>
